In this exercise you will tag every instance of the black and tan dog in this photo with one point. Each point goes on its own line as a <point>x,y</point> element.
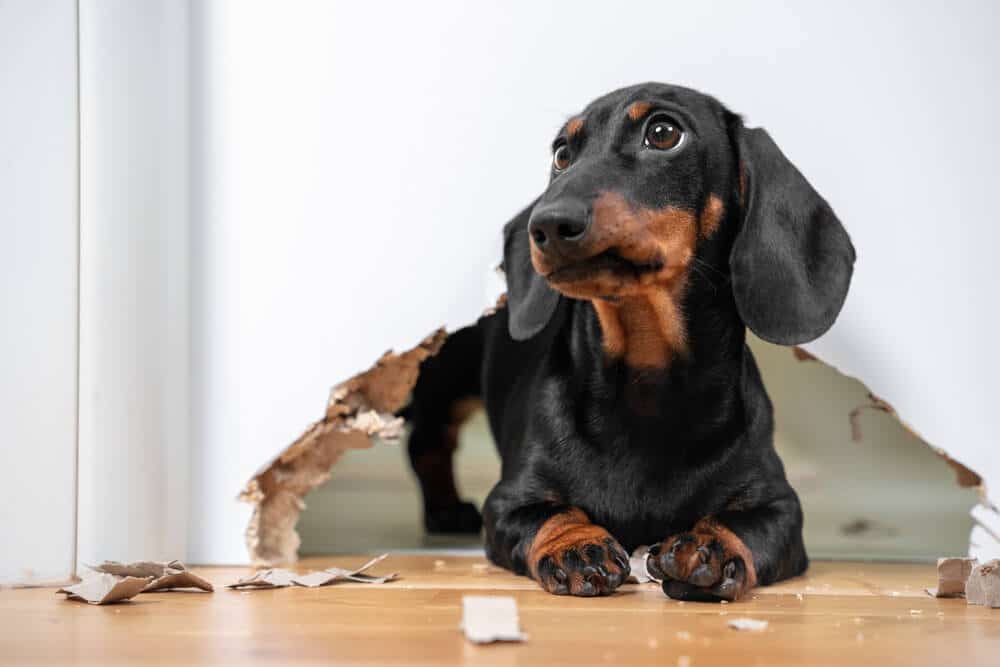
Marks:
<point>625,403</point>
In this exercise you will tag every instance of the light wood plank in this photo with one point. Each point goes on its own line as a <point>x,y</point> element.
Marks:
<point>849,613</point>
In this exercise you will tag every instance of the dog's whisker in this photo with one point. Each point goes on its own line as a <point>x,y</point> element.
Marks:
<point>705,264</point>
<point>708,279</point>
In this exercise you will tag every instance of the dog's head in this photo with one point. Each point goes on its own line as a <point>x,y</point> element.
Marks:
<point>651,180</point>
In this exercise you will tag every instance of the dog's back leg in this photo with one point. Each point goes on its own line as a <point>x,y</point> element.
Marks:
<point>446,393</point>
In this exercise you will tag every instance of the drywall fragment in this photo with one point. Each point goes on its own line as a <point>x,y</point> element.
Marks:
<point>103,588</point>
<point>356,410</point>
<point>637,563</point>
<point>332,574</point>
<point>983,585</point>
<point>747,624</point>
<point>952,575</point>
<point>487,619</point>
<point>270,578</point>
<point>385,426</point>
<point>166,576</point>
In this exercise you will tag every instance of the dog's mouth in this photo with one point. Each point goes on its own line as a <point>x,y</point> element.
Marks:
<point>609,261</point>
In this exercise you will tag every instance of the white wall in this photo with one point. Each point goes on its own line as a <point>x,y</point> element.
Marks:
<point>38,290</point>
<point>134,310</point>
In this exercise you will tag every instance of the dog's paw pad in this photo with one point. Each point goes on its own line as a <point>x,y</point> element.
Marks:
<point>586,566</point>
<point>705,565</point>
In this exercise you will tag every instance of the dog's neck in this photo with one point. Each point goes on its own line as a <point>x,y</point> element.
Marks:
<point>647,331</point>
<point>677,347</point>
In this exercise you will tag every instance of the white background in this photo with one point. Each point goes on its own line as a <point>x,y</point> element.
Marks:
<point>280,191</point>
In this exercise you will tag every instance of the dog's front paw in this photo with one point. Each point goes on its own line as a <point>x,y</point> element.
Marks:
<point>577,559</point>
<point>707,564</point>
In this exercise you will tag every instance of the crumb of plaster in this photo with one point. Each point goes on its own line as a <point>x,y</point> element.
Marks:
<point>357,409</point>
<point>748,624</point>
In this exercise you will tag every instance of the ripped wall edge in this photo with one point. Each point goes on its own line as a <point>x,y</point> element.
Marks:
<point>984,540</point>
<point>357,409</point>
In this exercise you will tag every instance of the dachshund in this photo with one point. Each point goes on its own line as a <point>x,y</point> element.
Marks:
<point>624,401</point>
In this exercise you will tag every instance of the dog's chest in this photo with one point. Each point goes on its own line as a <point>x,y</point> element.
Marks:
<point>639,497</point>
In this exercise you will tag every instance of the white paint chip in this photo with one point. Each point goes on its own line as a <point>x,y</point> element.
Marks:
<point>487,619</point>
<point>748,624</point>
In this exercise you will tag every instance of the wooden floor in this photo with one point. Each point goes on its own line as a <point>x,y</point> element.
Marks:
<point>840,614</point>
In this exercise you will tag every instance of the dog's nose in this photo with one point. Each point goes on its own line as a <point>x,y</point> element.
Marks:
<point>559,226</point>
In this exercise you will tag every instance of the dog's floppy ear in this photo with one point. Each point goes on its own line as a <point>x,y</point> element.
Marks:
<point>530,300</point>
<point>792,260</point>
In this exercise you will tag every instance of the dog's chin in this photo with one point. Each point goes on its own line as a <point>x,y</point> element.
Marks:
<point>606,275</point>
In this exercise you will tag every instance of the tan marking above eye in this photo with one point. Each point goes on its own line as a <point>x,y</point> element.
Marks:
<point>637,110</point>
<point>574,126</point>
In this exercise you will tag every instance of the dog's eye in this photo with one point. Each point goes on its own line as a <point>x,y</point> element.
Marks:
<point>662,133</point>
<point>560,157</point>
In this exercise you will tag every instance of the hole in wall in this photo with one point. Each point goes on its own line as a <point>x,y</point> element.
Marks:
<point>885,495</point>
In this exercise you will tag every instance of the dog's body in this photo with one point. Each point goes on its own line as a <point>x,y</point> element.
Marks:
<point>625,403</point>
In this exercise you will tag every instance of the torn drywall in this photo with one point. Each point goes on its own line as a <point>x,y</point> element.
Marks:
<point>282,578</point>
<point>104,588</point>
<point>165,576</point>
<point>357,409</point>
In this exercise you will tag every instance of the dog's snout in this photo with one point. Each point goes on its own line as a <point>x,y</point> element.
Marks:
<point>559,226</point>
